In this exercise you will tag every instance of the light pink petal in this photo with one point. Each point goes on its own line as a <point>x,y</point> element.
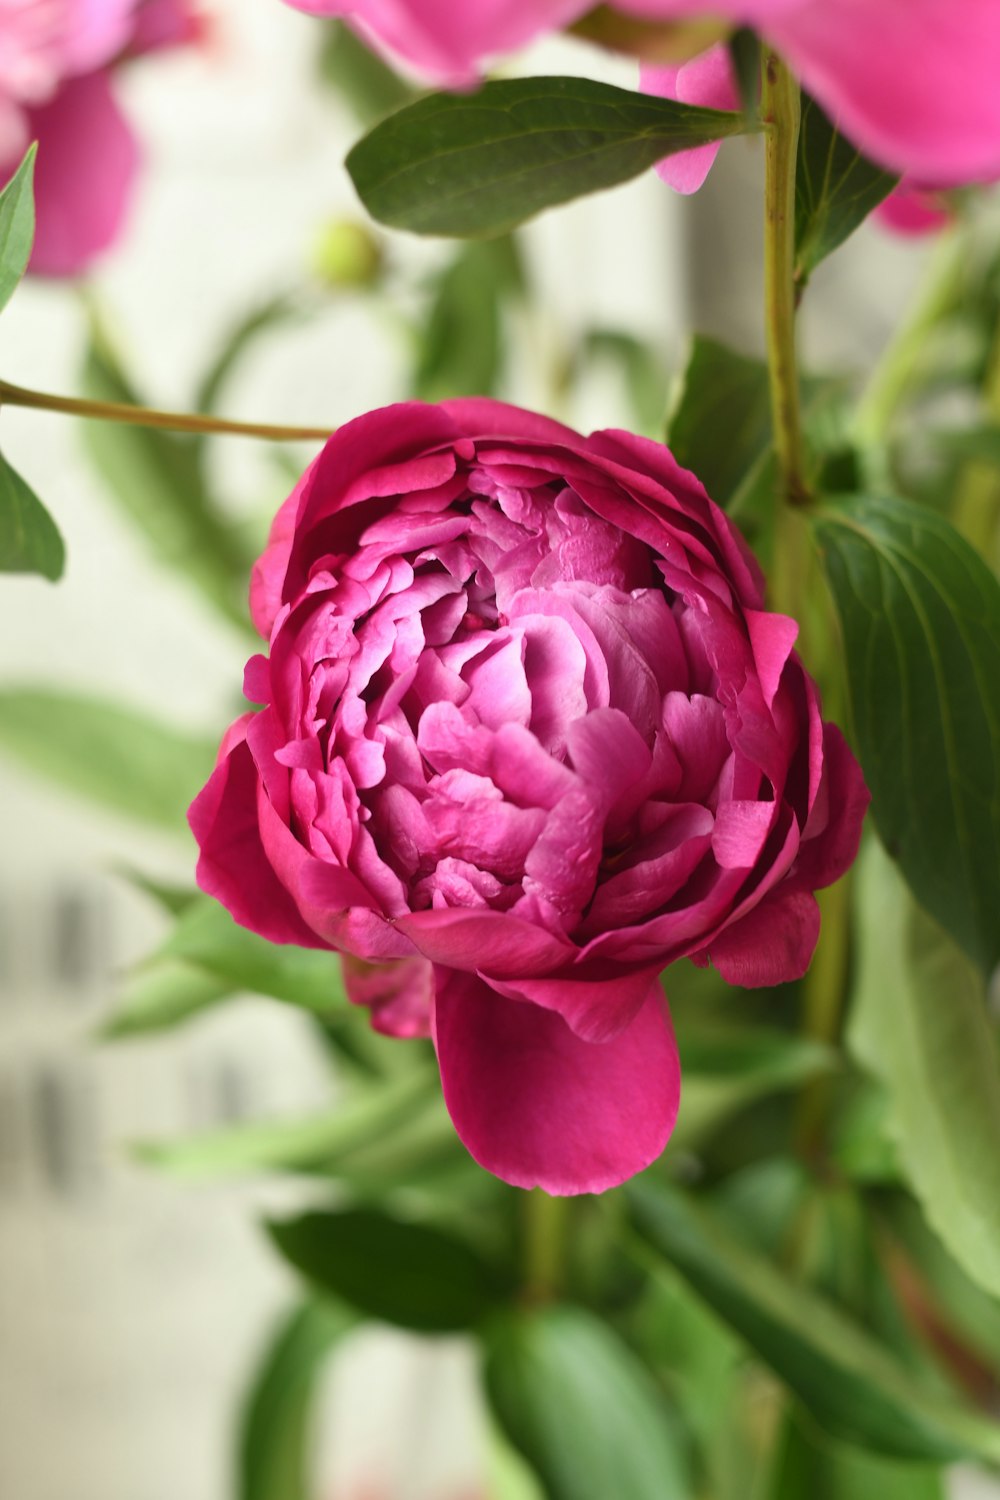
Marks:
<point>912,82</point>
<point>539,1107</point>
<point>87,161</point>
<point>913,210</point>
<point>741,831</point>
<point>446,42</point>
<point>772,944</point>
<point>707,81</point>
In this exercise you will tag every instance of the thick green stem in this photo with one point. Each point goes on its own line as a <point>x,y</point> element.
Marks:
<point>544,1245</point>
<point>781,108</point>
<point>144,416</point>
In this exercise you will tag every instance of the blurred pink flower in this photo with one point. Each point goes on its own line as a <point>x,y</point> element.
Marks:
<point>530,736</point>
<point>912,82</point>
<point>914,209</point>
<point>56,61</point>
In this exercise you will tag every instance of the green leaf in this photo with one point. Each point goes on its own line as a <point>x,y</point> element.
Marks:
<point>277,310</point>
<point>207,936</point>
<point>274,1448</point>
<point>413,1275</point>
<point>809,1465</point>
<point>475,165</point>
<point>744,57</point>
<point>972,1315</point>
<point>581,1408</point>
<point>727,1067</point>
<point>461,350</point>
<point>17,225</point>
<point>115,756</point>
<point>643,371</point>
<point>920,613</point>
<point>980,444</point>
<point>720,391</point>
<point>162,997</point>
<point>29,538</point>
<point>157,480</point>
<point>848,1382</point>
<point>836,189</point>
<point>368,85</point>
<point>920,1024</point>
<point>319,1143</point>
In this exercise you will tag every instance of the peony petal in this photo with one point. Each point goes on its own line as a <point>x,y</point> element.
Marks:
<point>233,866</point>
<point>398,994</point>
<point>539,1107</point>
<point>707,81</point>
<point>772,944</point>
<point>87,161</point>
<point>596,1003</point>
<point>826,856</point>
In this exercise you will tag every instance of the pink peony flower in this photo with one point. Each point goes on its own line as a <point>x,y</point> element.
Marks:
<point>530,736</point>
<point>912,82</point>
<point>56,58</point>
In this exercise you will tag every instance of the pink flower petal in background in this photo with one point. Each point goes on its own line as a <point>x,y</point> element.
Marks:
<point>913,210</point>
<point>708,81</point>
<point>87,161</point>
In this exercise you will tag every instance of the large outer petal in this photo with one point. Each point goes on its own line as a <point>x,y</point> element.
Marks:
<point>87,161</point>
<point>914,83</point>
<point>540,1108</point>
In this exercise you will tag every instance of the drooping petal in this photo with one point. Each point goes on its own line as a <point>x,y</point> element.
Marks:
<point>772,944</point>
<point>539,1107</point>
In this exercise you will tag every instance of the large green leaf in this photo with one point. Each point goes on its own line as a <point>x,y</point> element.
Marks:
<point>920,613</point>
<point>475,165</point>
<point>808,1466</point>
<point>17,226</point>
<point>413,1275</point>
<point>581,1408</point>
<point>207,936</point>
<point>274,1436</point>
<point>921,1026</point>
<point>836,189</point>
<point>843,1376</point>
<point>109,754</point>
<point>29,538</point>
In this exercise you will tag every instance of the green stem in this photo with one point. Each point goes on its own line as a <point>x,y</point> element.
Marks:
<point>893,376</point>
<point>976,510</point>
<point>824,992</point>
<point>144,416</point>
<point>544,1245</point>
<point>781,109</point>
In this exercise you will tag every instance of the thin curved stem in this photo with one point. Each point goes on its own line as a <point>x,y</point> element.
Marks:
<point>145,416</point>
<point>781,109</point>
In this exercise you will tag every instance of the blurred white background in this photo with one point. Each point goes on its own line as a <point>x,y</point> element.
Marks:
<point>131,1307</point>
